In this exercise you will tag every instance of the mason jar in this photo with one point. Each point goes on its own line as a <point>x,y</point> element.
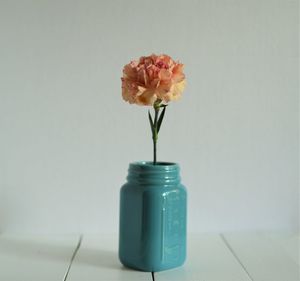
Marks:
<point>153,209</point>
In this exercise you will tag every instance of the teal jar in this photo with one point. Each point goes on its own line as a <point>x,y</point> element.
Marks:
<point>152,231</point>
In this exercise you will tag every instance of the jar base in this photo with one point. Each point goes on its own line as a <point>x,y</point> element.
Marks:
<point>149,268</point>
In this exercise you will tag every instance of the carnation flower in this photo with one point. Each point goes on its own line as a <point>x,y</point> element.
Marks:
<point>152,78</point>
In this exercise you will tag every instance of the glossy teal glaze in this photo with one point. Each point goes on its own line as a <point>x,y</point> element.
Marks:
<point>152,232</point>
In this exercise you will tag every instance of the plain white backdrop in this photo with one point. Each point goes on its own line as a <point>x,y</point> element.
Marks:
<point>67,136</point>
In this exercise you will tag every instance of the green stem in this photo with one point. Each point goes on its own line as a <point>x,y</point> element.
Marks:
<point>155,132</point>
<point>154,152</point>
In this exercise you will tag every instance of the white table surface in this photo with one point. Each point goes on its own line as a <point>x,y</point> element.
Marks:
<point>211,257</point>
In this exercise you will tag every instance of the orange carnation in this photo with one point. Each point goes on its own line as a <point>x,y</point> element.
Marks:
<point>152,78</point>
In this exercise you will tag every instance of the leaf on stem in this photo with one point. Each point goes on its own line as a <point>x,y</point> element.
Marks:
<point>161,117</point>
<point>151,121</point>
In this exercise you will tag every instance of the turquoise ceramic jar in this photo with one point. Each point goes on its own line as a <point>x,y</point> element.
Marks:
<point>152,233</point>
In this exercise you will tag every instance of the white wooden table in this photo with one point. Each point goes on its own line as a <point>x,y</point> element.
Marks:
<point>219,257</point>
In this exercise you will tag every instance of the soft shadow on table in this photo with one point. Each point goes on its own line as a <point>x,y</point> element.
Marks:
<point>32,249</point>
<point>100,258</point>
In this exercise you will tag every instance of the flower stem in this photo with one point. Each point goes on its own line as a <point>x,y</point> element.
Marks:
<point>156,124</point>
<point>154,152</point>
<point>155,131</point>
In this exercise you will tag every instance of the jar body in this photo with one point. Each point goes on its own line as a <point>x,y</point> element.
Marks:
<point>152,231</point>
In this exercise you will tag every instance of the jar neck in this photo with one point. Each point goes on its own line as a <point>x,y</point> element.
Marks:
<point>146,173</point>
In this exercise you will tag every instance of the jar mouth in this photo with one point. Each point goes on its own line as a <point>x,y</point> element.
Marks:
<point>144,172</point>
<point>150,164</point>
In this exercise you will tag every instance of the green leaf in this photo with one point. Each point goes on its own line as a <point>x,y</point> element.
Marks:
<point>161,117</point>
<point>151,121</point>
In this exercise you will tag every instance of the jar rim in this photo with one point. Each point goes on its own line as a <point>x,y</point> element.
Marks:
<point>144,172</point>
<point>157,165</point>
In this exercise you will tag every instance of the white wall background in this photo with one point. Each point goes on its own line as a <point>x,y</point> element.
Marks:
<point>67,137</point>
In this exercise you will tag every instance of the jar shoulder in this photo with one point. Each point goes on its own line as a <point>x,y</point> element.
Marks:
<point>132,187</point>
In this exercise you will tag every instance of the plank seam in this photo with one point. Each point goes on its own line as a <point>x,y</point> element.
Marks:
<point>72,258</point>
<point>236,256</point>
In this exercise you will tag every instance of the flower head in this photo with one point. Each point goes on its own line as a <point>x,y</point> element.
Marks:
<point>152,78</point>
